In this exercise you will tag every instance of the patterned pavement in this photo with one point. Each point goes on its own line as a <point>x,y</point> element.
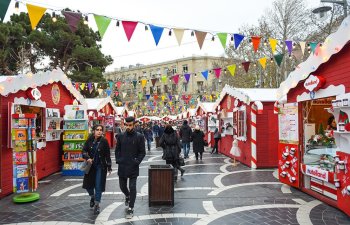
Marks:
<point>212,191</point>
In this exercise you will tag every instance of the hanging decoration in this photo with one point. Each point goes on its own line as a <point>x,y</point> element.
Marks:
<point>205,74</point>
<point>119,84</point>
<point>134,82</point>
<point>246,66</point>
<point>289,45</point>
<point>176,78</point>
<point>102,23</point>
<point>217,72</point>
<point>154,80</point>
<point>179,33</point>
<point>157,33</point>
<point>108,92</point>
<point>143,83</point>
<point>256,43</point>
<point>238,39</point>
<point>200,38</point>
<point>72,19</point>
<point>35,13</point>
<point>232,69</point>
<point>129,28</point>
<point>313,46</point>
<point>278,59</point>
<point>164,78</point>
<point>273,44</point>
<point>262,62</point>
<point>4,4</point>
<point>222,38</point>
<point>148,96</point>
<point>187,77</point>
<point>302,46</point>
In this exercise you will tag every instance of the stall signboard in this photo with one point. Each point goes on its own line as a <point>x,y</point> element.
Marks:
<point>288,123</point>
<point>313,83</point>
<point>288,164</point>
<point>317,173</point>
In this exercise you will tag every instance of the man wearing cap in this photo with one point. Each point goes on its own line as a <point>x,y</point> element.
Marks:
<point>129,153</point>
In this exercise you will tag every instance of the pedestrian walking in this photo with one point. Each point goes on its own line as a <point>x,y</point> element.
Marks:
<point>129,153</point>
<point>170,142</point>
<point>217,138</point>
<point>198,142</point>
<point>96,152</point>
<point>148,134</point>
<point>185,134</point>
<point>156,133</point>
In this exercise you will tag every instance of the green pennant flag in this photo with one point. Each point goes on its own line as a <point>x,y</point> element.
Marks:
<point>164,78</point>
<point>102,23</point>
<point>4,4</point>
<point>140,95</point>
<point>134,82</point>
<point>313,46</point>
<point>223,38</point>
<point>278,59</point>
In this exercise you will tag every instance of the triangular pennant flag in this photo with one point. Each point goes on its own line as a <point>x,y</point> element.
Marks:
<point>143,83</point>
<point>302,46</point>
<point>140,95</point>
<point>116,93</point>
<point>176,78</point>
<point>211,97</point>
<point>110,84</point>
<point>205,74</point>
<point>4,5</point>
<point>273,44</point>
<point>278,59</point>
<point>232,69</point>
<point>90,87</point>
<point>119,83</point>
<point>262,62</point>
<point>148,96</point>
<point>187,77</point>
<point>82,86</point>
<point>313,46</point>
<point>157,32</point>
<point>77,85</point>
<point>170,97</point>
<point>256,43</point>
<point>200,38</point>
<point>246,66</point>
<point>134,82</point>
<point>35,13</point>
<point>100,90</point>
<point>95,85</point>
<point>238,39</point>
<point>154,80</point>
<point>170,103</point>
<point>155,98</point>
<point>72,19</point>
<point>164,78</point>
<point>124,94</point>
<point>163,97</point>
<point>176,97</point>
<point>179,33</point>
<point>289,46</point>
<point>129,28</point>
<point>223,38</point>
<point>217,72</point>
<point>109,92</point>
<point>102,23</point>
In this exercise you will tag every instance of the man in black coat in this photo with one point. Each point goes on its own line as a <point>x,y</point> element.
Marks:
<point>129,153</point>
<point>185,134</point>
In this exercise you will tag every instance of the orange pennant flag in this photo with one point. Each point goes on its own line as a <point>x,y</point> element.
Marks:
<point>35,13</point>
<point>256,43</point>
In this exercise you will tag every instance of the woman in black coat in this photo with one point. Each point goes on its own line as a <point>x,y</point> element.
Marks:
<point>171,142</point>
<point>96,151</point>
<point>198,142</point>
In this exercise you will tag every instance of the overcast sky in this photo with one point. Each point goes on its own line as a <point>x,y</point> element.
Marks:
<point>204,15</point>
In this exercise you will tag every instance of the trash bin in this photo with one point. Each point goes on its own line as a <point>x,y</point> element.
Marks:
<point>160,185</point>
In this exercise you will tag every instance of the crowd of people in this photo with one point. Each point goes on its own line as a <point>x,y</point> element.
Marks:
<point>131,149</point>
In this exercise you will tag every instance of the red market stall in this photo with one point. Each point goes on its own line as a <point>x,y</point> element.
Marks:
<point>247,116</point>
<point>102,111</point>
<point>204,112</point>
<point>314,129</point>
<point>40,99</point>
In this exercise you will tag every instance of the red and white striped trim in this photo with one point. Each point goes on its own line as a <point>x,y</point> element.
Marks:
<point>275,107</point>
<point>253,135</point>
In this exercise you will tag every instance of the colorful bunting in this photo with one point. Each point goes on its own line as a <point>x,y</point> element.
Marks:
<point>157,33</point>
<point>100,90</point>
<point>246,66</point>
<point>313,46</point>
<point>95,85</point>
<point>232,69</point>
<point>154,80</point>
<point>119,83</point>
<point>82,86</point>
<point>223,38</point>
<point>302,46</point>
<point>124,94</point>
<point>140,95</point>
<point>102,23</point>
<point>72,19</point>
<point>116,93</point>
<point>273,44</point>
<point>205,74</point>
<point>35,13</point>
<point>176,78</point>
<point>90,87</point>
<point>278,59</point>
<point>176,97</point>
<point>238,39</point>
<point>163,98</point>
<point>187,77</point>
<point>289,45</point>
<point>164,78</point>
<point>155,97</point>
<point>170,97</point>
<point>256,43</point>
<point>129,28</point>
<point>148,96</point>
<point>217,72</point>
<point>179,33</point>
<point>110,84</point>
<point>143,83</point>
<point>134,82</point>
<point>4,4</point>
<point>109,92</point>
<point>262,62</point>
<point>200,38</point>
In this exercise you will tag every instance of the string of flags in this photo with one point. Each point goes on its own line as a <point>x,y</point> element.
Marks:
<point>103,22</point>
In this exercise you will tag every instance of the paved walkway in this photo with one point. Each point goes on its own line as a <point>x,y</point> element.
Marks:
<point>212,191</point>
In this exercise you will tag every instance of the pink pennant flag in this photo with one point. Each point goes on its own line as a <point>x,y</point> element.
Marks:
<point>129,28</point>
<point>116,93</point>
<point>119,83</point>
<point>176,78</point>
<point>217,72</point>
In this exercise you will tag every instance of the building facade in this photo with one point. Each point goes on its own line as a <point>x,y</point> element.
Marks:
<point>132,76</point>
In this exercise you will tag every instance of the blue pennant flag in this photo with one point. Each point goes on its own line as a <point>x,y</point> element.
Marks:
<point>205,74</point>
<point>108,92</point>
<point>147,96</point>
<point>157,32</point>
<point>238,39</point>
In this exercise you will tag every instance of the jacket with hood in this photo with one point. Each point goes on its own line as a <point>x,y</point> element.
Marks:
<point>170,140</point>
<point>185,133</point>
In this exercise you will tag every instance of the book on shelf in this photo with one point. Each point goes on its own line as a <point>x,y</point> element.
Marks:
<point>21,171</point>
<point>22,185</point>
<point>20,158</point>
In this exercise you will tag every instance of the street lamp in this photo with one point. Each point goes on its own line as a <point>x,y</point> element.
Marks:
<point>323,9</point>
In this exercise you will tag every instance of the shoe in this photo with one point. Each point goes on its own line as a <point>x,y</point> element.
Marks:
<point>197,159</point>
<point>127,200</point>
<point>182,172</point>
<point>129,213</point>
<point>92,202</point>
<point>97,210</point>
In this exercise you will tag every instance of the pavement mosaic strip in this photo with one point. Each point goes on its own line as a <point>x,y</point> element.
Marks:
<point>212,191</point>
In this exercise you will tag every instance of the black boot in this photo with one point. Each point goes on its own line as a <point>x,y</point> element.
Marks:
<point>92,202</point>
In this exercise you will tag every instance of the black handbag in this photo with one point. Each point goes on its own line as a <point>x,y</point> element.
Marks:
<point>205,143</point>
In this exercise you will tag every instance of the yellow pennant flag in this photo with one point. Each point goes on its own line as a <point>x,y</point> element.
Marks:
<point>262,61</point>
<point>170,103</point>
<point>211,98</point>
<point>232,69</point>
<point>143,83</point>
<point>35,13</point>
<point>273,43</point>
<point>82,86</point>
<point>163,97</point>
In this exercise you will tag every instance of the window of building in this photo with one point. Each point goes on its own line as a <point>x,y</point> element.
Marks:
<point>241,123</point>
<point>166,71</point>
<point>184,86</point>
<point>159,90</point>
<point>174,87</point>
<point>185,68</point>
<point>165,88</point>
<point>174,70</point>
<point>200,87</point>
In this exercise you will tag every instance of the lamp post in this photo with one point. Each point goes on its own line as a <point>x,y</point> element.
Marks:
<point>321,10</point>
